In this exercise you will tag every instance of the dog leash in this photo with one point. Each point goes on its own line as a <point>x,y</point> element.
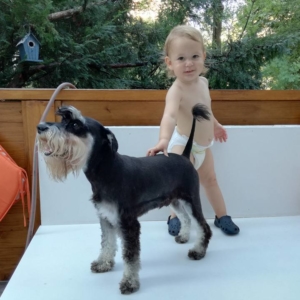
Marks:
<point>35,163</point>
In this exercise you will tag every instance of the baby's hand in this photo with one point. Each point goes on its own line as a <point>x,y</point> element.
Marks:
<point>162,146</point>
<point>220,133</point>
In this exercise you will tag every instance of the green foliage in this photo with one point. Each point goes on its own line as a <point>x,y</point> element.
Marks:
<point>278,20</point>
<point>86,48</point>
<point>101,44</point>
<point>282,74</point>
<point>241,67</point>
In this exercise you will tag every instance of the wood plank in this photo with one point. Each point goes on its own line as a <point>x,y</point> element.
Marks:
<point>9,260</point>
<point>17,152</point>
<point>142,95</point>
<point>80,95</point>
<point>57,105</point>
<point>227,112</point>
<point>257,112</point>
<point>12,231</point>
<point>13,238</point>
<point>12,132</point>
<point>11,112</point>
<point>14,219</point>
<point>120,113</point>
<point>254,95</point>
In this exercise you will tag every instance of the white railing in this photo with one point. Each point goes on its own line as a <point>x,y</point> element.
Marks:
<point>258,170</point>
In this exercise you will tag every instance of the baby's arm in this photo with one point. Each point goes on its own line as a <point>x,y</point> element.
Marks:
<point>220,132</point>
<point>168,122</point>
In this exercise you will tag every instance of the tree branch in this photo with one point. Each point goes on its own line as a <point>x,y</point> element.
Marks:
<point>121,66</point>
<point>246,24</point>
<point>26,71</point>
<point>70,12</point>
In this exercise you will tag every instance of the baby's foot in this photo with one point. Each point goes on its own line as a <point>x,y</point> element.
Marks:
<point>226,225</point>
<point>174,226</point>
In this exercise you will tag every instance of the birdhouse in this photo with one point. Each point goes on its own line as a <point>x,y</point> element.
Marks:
<point>29,48</point>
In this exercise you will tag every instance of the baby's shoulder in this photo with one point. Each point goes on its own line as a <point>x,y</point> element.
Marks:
<point>175,90</point>
<point>203,79</point>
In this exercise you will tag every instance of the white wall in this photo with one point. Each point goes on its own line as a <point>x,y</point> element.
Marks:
<point>258,170</point>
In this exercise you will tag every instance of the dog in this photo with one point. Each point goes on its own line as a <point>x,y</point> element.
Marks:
<point>125,187</point>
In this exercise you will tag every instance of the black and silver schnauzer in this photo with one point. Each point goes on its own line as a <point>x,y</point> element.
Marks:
<point>125,187</point>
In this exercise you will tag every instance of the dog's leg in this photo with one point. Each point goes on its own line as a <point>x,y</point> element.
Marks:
<point>202,228</point>
<point>185,221</point>
<point>130,235</point>
<point>105,261</point>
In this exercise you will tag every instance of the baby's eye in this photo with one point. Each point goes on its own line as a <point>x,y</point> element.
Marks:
<point>196,56</point>
<point>180,58</point>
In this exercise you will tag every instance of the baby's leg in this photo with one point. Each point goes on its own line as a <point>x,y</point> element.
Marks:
<point>208,180</point>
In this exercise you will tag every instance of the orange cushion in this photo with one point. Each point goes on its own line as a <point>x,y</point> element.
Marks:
<point>13,184</point>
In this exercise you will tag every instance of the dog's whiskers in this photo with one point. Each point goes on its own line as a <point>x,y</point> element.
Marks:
<point>64,153</point>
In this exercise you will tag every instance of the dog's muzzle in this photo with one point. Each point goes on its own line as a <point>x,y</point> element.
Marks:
<point>42,128</point>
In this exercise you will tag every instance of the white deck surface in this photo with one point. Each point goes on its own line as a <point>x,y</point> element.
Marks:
<point>261,263</point>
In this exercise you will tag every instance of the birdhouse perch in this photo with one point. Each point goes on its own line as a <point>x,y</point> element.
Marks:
<point>29,48</point>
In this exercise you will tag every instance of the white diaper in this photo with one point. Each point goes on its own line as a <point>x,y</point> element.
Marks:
<point>198,151</point>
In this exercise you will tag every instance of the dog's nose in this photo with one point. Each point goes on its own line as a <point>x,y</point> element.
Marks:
<point>42,127</point>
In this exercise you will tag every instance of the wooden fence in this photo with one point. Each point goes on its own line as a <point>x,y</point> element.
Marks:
<point>21,110</point>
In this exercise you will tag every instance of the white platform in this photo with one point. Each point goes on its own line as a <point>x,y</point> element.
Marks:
<point>258,170</point>
<point>262,263</point>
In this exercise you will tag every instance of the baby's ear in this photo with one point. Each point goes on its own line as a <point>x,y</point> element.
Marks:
<point>112,140</point>
<point>168,62</point>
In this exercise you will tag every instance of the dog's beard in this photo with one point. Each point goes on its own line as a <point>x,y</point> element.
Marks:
<point>63,152</point>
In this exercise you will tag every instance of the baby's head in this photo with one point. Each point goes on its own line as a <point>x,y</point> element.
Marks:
<point>179,32</point>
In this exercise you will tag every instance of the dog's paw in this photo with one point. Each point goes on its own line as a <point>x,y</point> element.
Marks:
<point>181,239</point>
<point>102,266</point>
<point>195,255</point>
<point>129,285</point>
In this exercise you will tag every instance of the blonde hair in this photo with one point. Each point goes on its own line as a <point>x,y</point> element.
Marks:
<point>183,31</point>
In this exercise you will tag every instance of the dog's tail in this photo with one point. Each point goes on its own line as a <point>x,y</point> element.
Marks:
<point>200,112</point>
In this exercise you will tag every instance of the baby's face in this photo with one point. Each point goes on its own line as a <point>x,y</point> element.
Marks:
<point>186,59</point>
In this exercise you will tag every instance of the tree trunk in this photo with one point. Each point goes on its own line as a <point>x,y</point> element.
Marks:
<point>218,9</point>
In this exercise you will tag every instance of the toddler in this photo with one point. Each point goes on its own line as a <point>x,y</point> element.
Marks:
<point>184,57</point>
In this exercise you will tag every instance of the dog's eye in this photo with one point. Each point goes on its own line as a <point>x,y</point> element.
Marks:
<point>75,125</point>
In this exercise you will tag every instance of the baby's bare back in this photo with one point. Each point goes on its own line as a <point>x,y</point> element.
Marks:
<point>191,95</point>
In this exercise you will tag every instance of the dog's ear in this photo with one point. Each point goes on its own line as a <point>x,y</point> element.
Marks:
<point>64,112</point>
<point>112,140</point>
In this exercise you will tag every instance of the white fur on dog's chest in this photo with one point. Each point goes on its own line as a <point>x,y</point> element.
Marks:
<point>109,212</point>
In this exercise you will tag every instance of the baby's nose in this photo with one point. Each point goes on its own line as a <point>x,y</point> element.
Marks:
<point>189,62</point>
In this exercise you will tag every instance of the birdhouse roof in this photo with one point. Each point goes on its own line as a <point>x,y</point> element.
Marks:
<point>23,40</point>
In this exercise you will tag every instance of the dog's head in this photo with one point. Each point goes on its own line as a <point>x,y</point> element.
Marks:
<point>67,145</point>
